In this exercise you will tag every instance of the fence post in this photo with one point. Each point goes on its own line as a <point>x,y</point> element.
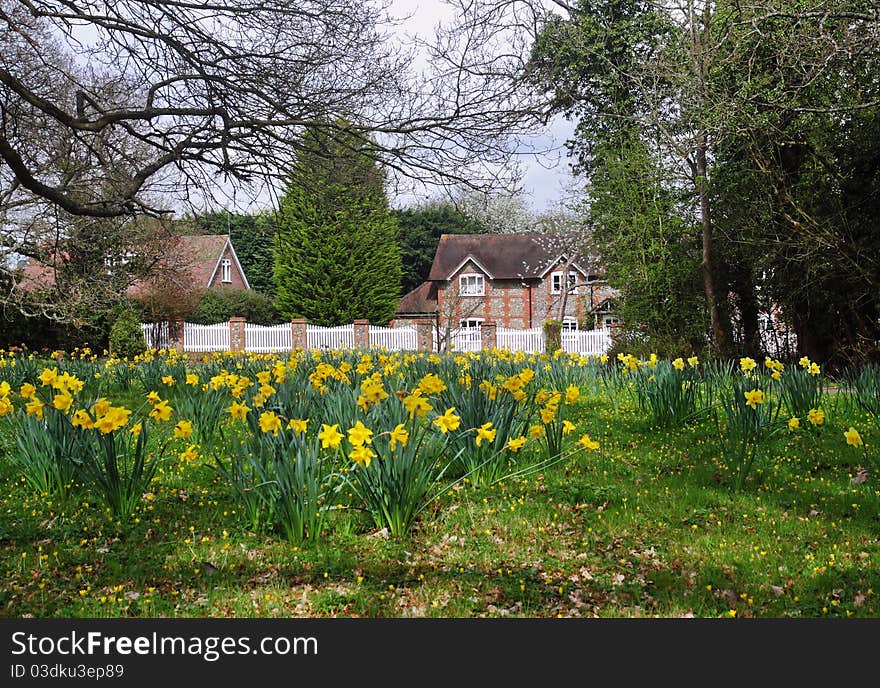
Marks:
<point>299,333</point>
<point>236,334</point>
<point>488,335</point>
<point>424,335</point>
<point>175,335</point>
<point>361,334</point>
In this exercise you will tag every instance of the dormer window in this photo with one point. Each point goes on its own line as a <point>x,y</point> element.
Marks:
<point>471,284</point>
<point>226,270</point>
<point>556,280</point>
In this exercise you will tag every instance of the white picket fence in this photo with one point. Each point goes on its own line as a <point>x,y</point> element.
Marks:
<point>460,339</point>
<point>156,335</point>
<point>279,338</point>
<point>529,341</point>
<point>586,342</point>
<point>270,339</point>
<point>206,337</point>
<point>340,337</point>
<point>394,338</point>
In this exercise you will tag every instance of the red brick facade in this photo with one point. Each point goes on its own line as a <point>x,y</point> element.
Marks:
<point>520,303</point>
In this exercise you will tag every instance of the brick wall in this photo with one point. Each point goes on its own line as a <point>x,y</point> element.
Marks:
<point>514,303</point>
<point>237,279</point>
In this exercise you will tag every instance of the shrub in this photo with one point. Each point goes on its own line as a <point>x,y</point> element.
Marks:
<point>218,305</point>
<point>126,336</point>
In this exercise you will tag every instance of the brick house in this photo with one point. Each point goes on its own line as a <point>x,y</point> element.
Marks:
<point>180,263</point>
<point>515,280</point>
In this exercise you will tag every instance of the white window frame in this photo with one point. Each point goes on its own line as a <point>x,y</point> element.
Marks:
<point>570,324</point>
<point>470,323</point>
<point>609,320</point>
<point>479,288</point>
<point>556,282</point>
<point>226,271</point>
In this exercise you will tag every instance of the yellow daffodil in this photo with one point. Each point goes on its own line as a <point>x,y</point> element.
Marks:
<point>399,434</point>
<point>536,431</point>
<point>168,380</point>
<point>693,361</point>
<point>588,443</point>
<point>62,401</point>
<point>572,394</point>
<point>516,443</point>
<point>183,429</point>
<point>431,384</point>
<point>747,364</point>
<point>794,423</point>
<point>360,435</point>
<point>298,425</point>
<point>678,364</point>
<point>330,436</point>
<point>485,432</point>
<point>448,421</point>
<point>853,437</point>
<point>48,376</point>
<point>161,411</point>
<point>5,389</point>
<point>238,411</point>
<point>567,427</point>
<point>192,379</point>
<point>816,416</point>
<point>6,406</point>
<point>548,413</point>
<point>191,453</point>
<point>34,408</point>
<point>269,422</point>
<point>153,397</point>
<point>813,369</point>
<point>27,390</point>
<point>362,455</point>
<point>100,407</point>
<point>754,397</point>
<point>416,404</point>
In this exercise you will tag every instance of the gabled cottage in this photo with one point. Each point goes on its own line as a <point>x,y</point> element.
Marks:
<point>516,280</point>
<point>179,263</point>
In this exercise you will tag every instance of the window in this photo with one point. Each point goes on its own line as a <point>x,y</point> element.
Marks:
<point>569,325</point>
<point>471,284</point>
<point>609,320</point>
<point>226,270</point>
<point>470,323</point>
<point>114,262</point>
<point>556,282</point>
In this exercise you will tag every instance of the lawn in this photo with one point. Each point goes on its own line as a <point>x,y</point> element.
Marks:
<point>673,514</point>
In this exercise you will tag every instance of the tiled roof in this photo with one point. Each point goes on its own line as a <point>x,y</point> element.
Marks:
<point>422,299</point>
<point>192,259</point>
<point>505,256</point>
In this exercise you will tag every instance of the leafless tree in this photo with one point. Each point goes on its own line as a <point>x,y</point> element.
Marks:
<point>219,90</point>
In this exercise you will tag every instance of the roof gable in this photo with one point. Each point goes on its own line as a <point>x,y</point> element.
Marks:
<point>504,256</point>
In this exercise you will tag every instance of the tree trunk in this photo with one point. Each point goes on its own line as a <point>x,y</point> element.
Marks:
<point>719,329</point>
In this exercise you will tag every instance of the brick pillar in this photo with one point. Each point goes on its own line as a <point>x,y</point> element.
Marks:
<point>236,334</point>
<point>175,335</point>
<point>488,335</point>
<point>361,334</point>
<point>299,333</point>
<point>425,335</point>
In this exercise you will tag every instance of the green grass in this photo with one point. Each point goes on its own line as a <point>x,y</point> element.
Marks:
<point>649,525</point>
